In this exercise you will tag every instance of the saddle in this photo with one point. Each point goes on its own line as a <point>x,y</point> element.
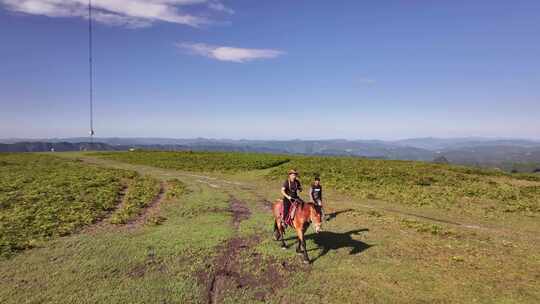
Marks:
<point>288,221</point>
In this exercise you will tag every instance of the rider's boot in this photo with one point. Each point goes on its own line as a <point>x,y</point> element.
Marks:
<point>283,217</point>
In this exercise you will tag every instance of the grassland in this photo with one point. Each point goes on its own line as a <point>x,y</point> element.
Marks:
<point>419,184</point>
<point>42,197</point>
<point>176,188</point>
<point>400,182</point>
<point>144,264</point>
<point>199,161</point>
<point>141,192</point>
<point>216,247</point>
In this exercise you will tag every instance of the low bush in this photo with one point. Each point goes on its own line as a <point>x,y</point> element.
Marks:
<point>43,196</point>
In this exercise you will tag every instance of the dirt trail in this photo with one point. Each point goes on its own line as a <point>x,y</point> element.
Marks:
<point>231,268</point>
<point>492,228</point>
<point>213,182</point>
<point>240,212</point>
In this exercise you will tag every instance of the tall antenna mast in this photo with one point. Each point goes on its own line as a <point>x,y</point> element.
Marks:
<point>91,71</point>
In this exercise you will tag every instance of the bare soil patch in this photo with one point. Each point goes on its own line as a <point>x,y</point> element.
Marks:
<point>239,266</point>
<point>239,211</point>
<point>265,204</point>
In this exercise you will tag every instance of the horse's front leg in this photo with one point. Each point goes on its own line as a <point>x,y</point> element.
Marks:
<point>302,243</point>
<point>277,232</point>
<point>281,231</point>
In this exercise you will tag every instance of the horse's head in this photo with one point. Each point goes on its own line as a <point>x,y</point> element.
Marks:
<point>316,217</point>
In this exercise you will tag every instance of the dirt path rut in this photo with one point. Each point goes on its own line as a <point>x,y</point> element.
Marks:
<point>233,268</point>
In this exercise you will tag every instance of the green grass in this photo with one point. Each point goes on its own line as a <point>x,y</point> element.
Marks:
<point>152,264</point>
<point>400,182</point>
<point>419,184</point>
<point>371,251</point>
<point>141,191</point>
<point>199,161</point>
<point>176,188</point>
<point>42,197</point>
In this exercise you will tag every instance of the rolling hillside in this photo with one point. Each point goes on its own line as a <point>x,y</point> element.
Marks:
<point>195,227</point>
<point>482,152</point>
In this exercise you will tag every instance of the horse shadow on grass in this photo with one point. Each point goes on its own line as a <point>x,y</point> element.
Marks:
<point>328,240</point>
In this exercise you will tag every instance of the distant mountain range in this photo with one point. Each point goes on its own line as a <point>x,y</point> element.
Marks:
<point>58,147</point>
<point>469,151</point>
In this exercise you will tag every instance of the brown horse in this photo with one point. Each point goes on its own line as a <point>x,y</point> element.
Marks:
<point>305,214</point>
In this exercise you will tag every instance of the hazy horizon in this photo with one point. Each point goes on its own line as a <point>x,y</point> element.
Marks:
<point>472,138</point>
<point>272,70</point>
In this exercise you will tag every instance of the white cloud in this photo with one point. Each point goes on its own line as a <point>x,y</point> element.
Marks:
<point>218,6</point>
<point>228,53</point>
<point>130,13</point>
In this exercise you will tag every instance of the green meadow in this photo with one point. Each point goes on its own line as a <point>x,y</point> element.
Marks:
<point>195,227</point>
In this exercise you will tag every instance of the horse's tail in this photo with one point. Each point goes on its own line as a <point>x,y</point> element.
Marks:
<point>275,226</point>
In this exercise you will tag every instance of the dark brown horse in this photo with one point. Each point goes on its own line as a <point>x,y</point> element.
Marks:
<point>305,214</point>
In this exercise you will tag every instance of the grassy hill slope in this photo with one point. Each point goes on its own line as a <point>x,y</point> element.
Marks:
<point>401,182</point>
<point>212,241</point>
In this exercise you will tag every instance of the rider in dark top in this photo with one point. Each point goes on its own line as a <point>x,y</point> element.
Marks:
<point>316,194</point>
<point>289,190</point>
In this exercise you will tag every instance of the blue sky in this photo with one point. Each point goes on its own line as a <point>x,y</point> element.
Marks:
<point>272,69</point>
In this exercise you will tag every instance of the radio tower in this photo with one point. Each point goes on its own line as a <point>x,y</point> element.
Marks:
<point>91,71</point>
